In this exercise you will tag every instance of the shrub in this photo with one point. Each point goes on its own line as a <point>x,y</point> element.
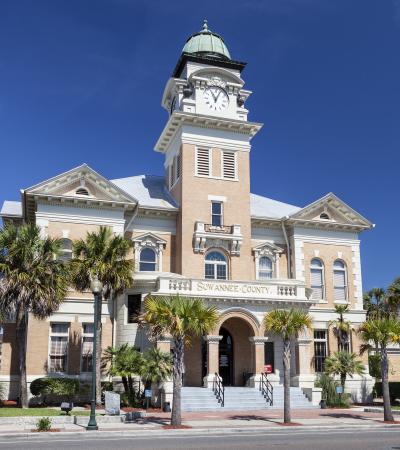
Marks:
<point>374,363</point>
<point>3,391</point>
<point>328,386</point>
<point>394,389</point>
<point>43,424</point>
<point>67,387</point>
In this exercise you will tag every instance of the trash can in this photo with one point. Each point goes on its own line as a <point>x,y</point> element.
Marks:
<point>166,407</point>
<point>323,403</point>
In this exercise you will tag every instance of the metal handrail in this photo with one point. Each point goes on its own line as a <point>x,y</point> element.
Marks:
<point>266,388</point>
<point>219,389</point>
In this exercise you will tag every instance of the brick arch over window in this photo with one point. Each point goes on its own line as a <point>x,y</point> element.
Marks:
<point>239,313</point>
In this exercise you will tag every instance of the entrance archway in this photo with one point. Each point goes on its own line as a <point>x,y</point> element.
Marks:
<point>236,353</point>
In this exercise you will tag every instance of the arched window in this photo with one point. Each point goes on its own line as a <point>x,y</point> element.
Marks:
<point>317,279</point>
<point>340,281</point>
<point>147,261</point>
<point>265,268</point>
<point>324,216</point>
<point>216,266</point>
<point>65,249</point>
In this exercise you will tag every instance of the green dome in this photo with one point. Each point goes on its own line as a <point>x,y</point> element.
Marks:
<point>206,43</point>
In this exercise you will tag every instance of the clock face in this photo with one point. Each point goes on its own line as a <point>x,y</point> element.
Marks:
<point>216,98</point>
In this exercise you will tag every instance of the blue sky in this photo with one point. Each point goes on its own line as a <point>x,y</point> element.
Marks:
<point>81,81</point>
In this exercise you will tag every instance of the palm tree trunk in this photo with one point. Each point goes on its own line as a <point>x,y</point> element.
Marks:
<point>176,416</point>
<point>98,349</point>
<point>286,381</point>
<point>387,409</point>
<point>21,332</point>
<point>125,383</point>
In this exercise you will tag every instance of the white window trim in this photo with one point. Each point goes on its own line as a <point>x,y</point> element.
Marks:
<point>126,323</point>
<point>323,299</point>
<point>235,163</point>
<point>51,334</point>
<point>346,283</point>
<point>222,212</point>
<point>273,255</point>
<point>215,263</point>
<point>210,162</point>
<point>153,242</point>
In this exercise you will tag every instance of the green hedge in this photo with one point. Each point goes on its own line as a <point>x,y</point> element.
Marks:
<point>394,389</point>
<point>57,386</point>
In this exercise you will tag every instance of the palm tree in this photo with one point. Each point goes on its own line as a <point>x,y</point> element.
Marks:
<point>32,281</point>
<point>384,331</point>
<point>103,255</point>
<point>344,364</point>
<point>156,366</point>
<point>376,303</point>
<point>393,295</point>
<point>341,326</point>
<point>124,361</point>
<point>287,324</point>
<point>182,319</point>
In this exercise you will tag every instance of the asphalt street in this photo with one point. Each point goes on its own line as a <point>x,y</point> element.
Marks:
<point>352,439</point>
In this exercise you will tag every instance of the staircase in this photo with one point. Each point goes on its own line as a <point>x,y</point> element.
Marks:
<point>239,399</point>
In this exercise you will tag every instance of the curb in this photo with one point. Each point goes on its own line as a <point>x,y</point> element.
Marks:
<point>196,431</point>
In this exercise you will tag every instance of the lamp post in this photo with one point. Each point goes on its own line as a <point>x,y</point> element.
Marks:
<point>96,288</point>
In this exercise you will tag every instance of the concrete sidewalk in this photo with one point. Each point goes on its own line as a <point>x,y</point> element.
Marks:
<point>224,421</point>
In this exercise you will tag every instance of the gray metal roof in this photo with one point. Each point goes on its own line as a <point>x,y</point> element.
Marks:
<point>11,208</point>
<point>149,190</point>
<point>272,209</point>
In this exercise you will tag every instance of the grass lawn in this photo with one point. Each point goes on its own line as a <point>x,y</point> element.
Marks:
<point>16,412</point>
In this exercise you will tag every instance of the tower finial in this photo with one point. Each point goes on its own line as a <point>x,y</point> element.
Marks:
<point>205,25</point>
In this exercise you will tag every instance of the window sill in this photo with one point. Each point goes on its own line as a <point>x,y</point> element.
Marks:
<point>339,302</point>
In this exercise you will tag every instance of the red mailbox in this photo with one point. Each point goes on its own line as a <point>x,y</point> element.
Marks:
<point>268,368</point>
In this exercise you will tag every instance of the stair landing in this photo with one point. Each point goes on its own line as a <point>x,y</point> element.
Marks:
<point>240,398</point>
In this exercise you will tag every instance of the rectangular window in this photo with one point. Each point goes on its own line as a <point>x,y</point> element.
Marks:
<point>59,333</point>
<point>216,214</point>
<point>133,306</point>
<point>269,355</point>
<point>229,165</point>
<point>320,349</point>
<point>87,347</point>
<point>203,162</point>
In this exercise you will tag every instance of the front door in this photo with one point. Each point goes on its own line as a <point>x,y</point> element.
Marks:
<point>226,357</point>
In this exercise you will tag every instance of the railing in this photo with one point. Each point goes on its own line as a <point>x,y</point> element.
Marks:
<point>209,228</point>
<point>287,291</point>
<point>266,389</point>
<point>219,389</point>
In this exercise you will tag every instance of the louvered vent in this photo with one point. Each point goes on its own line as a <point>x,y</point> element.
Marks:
<point>178,166</point>
<point>229,165</point>
<point>203,162</point>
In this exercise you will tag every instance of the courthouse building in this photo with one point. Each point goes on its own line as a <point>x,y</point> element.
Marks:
<point>200,232</point>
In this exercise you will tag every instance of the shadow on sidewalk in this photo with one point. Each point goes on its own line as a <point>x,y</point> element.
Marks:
<point>250,417</point>
<point>347,416</point>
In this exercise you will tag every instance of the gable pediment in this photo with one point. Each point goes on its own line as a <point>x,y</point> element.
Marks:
<point>81,183</point>
<point>149,240</point>
<point>331,211</point>
<point>267,249</point>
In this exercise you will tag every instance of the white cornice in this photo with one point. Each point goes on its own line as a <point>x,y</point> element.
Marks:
<point>177,119</point>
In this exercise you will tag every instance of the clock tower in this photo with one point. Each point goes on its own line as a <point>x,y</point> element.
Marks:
<point>206,143</point>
